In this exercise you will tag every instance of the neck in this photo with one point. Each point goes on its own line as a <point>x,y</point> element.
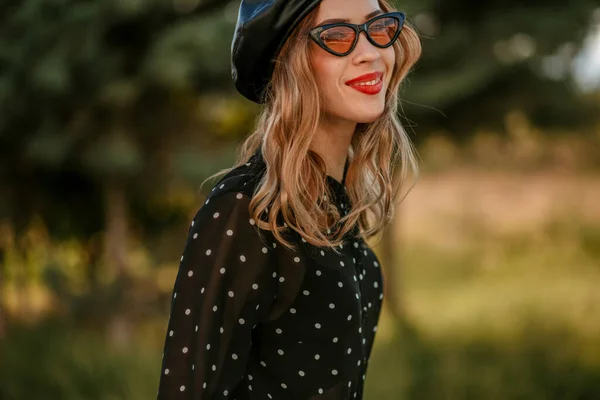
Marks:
<point>332,142</point>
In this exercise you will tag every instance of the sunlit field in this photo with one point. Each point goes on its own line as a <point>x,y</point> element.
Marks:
<point>500,282</point>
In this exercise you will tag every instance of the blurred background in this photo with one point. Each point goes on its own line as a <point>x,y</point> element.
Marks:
<point>113,111</point>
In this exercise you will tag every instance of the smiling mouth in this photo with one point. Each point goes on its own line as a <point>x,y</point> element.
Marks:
<point>369,83</point>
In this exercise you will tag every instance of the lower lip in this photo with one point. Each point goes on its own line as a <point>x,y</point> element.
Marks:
<point>368,89</point>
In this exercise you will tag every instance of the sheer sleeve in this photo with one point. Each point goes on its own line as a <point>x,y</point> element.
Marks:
<point>224,286</point>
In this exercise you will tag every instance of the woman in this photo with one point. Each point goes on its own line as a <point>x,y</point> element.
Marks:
<point>278,295</point>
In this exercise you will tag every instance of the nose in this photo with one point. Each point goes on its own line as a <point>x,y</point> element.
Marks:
<point>365,51</point>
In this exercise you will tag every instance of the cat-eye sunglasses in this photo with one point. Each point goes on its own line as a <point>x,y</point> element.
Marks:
<point>340,38</point>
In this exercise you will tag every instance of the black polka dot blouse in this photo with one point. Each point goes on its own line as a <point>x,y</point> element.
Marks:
<point>250,319</point>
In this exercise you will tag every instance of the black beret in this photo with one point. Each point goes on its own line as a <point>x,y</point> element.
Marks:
<point>262,28</point>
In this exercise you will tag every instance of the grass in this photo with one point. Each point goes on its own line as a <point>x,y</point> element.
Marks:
<point>497,316</point>
<point>55,361</point>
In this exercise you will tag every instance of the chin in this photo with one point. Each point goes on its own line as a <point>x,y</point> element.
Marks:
<point>364,117</point>
<point>358,113</point>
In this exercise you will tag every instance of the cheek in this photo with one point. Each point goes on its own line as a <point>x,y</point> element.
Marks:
<point>326,72</point>
<point>389,58</point>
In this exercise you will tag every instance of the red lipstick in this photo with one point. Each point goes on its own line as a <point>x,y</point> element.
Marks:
<point>359,83</point>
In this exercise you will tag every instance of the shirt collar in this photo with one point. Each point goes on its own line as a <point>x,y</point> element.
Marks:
<point>338,188</point>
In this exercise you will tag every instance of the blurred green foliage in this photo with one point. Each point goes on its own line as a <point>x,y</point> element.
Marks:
<point>542,363</point>
<point>482,60</point>
<point>53,360</point>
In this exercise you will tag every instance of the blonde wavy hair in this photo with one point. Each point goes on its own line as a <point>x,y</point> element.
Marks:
<point>294,183</point>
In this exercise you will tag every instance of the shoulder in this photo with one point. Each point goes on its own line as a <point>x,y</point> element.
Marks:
<point>231,195</point>
<point>240,180</point>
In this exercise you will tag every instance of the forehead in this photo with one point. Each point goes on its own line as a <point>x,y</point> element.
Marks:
<point>354,11</point>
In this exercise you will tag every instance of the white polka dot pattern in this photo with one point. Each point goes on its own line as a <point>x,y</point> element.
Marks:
<point>245,310</point>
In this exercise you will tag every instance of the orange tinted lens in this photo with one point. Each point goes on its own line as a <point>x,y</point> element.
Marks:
<point>338,39</point>
<point>383,30</point>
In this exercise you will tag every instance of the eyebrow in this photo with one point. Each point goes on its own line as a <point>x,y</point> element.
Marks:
<point>334,20</point>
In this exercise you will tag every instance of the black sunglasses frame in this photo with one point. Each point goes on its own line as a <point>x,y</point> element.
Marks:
<point>315,33</point>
